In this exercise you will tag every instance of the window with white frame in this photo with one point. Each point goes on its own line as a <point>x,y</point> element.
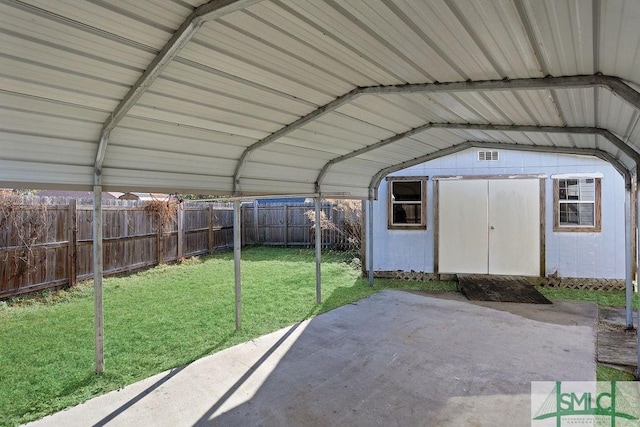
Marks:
<point>407,203</point>
<point>577,204</point>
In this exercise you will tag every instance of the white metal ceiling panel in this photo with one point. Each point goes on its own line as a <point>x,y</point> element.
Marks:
<point>577,106</point>
<point>497,27</point>
<point>173,182</point>
<point>180,118</point>
<point>147,131</point>
<point>615,114</point>
<point>564,33</point>
<point>308,31</point>
<point>619,42</point>
<point>360,110</point>
<point>438,23</point>
<point>438,138</point>
<point>226,61</point>
<point>202,80</point>
<point>109,20</point>
<point>234,40</point>
<point>185,106</point>
<point>217,100</point>
<point>395,30</point>
<point>343,25</point>
<point>33,174</point>
<point>264,24</point>
<point>270,187</point>
<point>148,160</point>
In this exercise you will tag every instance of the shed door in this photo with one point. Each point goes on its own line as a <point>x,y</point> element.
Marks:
<point>489,226</point>
<point>462,226</point>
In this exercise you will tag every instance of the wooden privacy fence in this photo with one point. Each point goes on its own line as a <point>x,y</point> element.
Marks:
<point>48,243</point>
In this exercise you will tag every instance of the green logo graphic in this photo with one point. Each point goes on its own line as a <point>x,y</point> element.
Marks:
<point>601,405</point>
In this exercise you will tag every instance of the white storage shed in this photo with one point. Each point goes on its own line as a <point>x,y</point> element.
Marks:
<point>497,211</point>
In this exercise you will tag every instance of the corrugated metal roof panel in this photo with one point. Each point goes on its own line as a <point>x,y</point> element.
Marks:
<point>270,187</point>
<point>157,114</point>
<point>206,98</point>
<point>577,106</point>
<point>340,24</point>
<point>203,79</point>
<point>395,30</point>
<point>157,160</point>
<point>309,32</point>
<point>437,21</point>
<point>189,106</point>
<point>107,19</point>
<point>614,114</point>
<point>497,28</point>
<point>33,174</point>
<point>225,60</point>
<point>236,40</point>
<point>184,182</point>
<point>405,116</point>
<point>564,32</point>
<point>619,42</point>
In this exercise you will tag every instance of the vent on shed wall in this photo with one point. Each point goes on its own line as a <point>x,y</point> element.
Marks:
<point>488,156</point>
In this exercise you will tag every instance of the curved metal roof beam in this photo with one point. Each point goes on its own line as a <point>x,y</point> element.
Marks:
<point>615,141</point>
<point>614,84</point>
<point>379,176</point>
<point>207,12</point>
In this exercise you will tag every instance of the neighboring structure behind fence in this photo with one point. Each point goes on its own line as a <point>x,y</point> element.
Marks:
<point>47,243</point>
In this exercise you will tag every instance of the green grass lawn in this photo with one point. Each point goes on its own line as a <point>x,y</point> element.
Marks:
<point>603,298</point>
<point>159,319</point>
<point>169,316</point>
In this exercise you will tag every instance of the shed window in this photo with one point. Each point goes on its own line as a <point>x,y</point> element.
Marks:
<point>407,203</point>
<point>577,204</point>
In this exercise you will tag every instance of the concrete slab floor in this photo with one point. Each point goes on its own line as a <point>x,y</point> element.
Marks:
<point>395,358</point>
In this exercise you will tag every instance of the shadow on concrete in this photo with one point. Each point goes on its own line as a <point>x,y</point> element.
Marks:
<point>222,400</point>
<point>163,380</point>
<point>398,358</point>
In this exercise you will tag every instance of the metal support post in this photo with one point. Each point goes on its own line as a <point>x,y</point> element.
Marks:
<point>370,241</point>
<point>318,233</point>
<point>97,278</point>
<point>237,248</point>
<point>628,258</point>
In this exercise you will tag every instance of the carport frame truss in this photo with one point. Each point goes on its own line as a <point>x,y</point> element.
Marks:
<point>218,8</point>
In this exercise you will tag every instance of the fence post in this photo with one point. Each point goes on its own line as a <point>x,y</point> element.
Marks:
<point>243,235</point>
<point>159,251</point>
<point>256,228</point>
<point>286,226</point>
<point>72,236</point>
<point>210,237</point>
<point>180,232</point>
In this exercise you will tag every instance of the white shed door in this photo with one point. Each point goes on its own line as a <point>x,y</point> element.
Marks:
<point>462,226</point>
<point>489,226</point>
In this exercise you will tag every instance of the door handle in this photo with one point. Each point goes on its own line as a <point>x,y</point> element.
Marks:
<point>492,227</point>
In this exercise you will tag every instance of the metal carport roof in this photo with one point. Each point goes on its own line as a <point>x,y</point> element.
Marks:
<point>284,97</point>
<point>259,97</point>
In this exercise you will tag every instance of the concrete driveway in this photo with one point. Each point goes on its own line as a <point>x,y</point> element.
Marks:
<point>395,358</point>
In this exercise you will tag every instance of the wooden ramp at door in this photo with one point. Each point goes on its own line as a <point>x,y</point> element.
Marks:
<point>480,287</point>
